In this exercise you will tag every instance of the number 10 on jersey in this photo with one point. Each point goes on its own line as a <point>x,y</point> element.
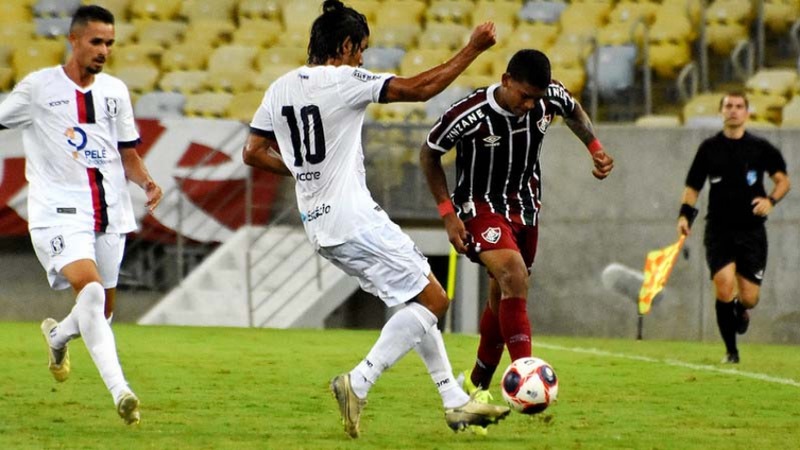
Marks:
<point>311,118</point>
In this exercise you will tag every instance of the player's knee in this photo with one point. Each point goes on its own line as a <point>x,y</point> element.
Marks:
<point>513,281</point>
<point>92,297</point>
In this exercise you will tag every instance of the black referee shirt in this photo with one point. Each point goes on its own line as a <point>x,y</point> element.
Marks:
<point>735,170</point>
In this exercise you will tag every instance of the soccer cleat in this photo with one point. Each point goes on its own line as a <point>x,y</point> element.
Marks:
<point>474,413</point>
<point>128,408</point>
<point>350,405</point>
<point>731,358</point>
<point>58,358</point>
<point>480,396</point>
<point>742,317</point>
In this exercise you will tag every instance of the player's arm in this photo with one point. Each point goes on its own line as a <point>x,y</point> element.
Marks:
<point>136,171</point>
<point>687,212</point>
<point>762,206</point>
<point>425,85</point>
<point>262,153</point>
<point>581,126</point>
<point>431,162</point>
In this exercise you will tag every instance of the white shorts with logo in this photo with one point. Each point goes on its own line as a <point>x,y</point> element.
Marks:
<point>58,246</point>
<point>385,261</point>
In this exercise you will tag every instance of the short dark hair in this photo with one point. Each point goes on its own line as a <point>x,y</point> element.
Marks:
<point>90,13</point>
<point>530,66</point>
<point>739,94</point>
<point>329,31</point>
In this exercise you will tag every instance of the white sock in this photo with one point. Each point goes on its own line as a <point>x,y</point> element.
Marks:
<point>110,318</point>
<point>402,332</point>
<point>99,338</point>
<point>431,350</point>
<point>66,330</point>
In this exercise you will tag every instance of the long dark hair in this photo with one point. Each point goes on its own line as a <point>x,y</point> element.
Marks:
<point>329,31</point>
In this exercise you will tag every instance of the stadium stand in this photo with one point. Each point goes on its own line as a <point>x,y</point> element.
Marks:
<point>155,9</point>
<point>120,9</point>
<point>136,55</point>
<point>212,32</point>
<point>727,22</point>
<point>244,104</point>
<point>159,105</point>
<point>791,114</point>
<point>658,121</point>
<point>35,55</point>
<point>381,59</point>
<point>260,9</point>
<point>55,8</point>
<point>443,35</point>
<point>207,104</point>
<point>779,15</point>
<point>163,33</point>
<point>185,56</point>
<point>184,81</point>
<point>52,26</point>
<point>257,32</point>
<point>542,11</point>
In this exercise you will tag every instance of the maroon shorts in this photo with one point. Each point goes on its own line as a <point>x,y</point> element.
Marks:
<point>492,231</point>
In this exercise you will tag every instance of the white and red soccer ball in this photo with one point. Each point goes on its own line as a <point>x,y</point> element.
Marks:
<point>529,385</point>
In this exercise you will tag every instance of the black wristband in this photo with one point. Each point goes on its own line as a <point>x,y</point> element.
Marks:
<point>772,200</point>
<point>688,211</point>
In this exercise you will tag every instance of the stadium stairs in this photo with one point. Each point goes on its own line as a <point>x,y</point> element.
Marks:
<point>290,285</point>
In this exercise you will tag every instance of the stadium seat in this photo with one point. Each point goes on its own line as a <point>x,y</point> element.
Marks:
<point>243,105</point>
<point>630,12</point>
<point>690,9</point>
<point>52,26</point>
<point>766,108</point>
<point>139,79</point>
<point>779,15</point>
<point>299,15</point>
<point>13,13</point>
<point>5,55</point>
<point>193,10</point>
<point>419,60</point>
<point>211,32</point>
<point>670,38</point>
<point>380,59</point>
<point>401,12</point>
<point>257,33</point>
<point>136,55</point>
<point>467,81</point>
<point>727,23</point>
<point>232,81</point>
<point>36,55</point>
<point>269,74</point>
<point>403,35</point>
<point>791,114</point>
<point>401,113</point>
<point>620,33</point>
<point>538,35</point>
<point>443,35</point>
<point>260,9</point>
<point>368,8</point>
<point>207,104</point>
<point>294,37</point>
<point>228,58</point>
<point>436,106</point>
<point>483,65</point>
<point>6,78</point>
<point>658,121</point>
<point>450,11</point>
<point>616,70</point>
<point>159,105</point>
<point>497,12</point>
<point>573,78</point>
<point>120,9</point>
<point>542,11</point>
<point>55,8</point>
<point>584,16</point>
<point>124,33</point>
<point>281,56</point>
<point>162,33</point>
<point>184,81</point>
<point>155,9</point>
<point>569,55</point>
<point>702,105</point>
<point>772,82</point>
<point>185,56</point>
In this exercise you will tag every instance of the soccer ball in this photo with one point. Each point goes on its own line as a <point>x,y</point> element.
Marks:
<point>529,385</point>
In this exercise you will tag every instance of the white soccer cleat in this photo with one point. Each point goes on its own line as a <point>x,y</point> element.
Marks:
<point>128,408</point>
<point>58,358</point>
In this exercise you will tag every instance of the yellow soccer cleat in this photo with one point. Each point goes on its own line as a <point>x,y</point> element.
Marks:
<point>128,408</point>
<point>479,395</point>
<point>58,358</point>
<point>350,406</point>
<point>474,414</point>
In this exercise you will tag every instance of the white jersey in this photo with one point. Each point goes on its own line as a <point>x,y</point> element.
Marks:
<point>71,137</point>
<point>316,114</point>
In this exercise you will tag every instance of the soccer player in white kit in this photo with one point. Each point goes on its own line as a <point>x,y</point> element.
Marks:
<point>79,137</point>
<point>313,117</point>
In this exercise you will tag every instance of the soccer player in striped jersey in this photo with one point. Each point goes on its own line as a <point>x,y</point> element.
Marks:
<point>309,127</point>
<point>493,213</point>
<point>79,137</point>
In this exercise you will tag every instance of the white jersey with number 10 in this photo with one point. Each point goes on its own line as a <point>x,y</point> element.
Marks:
<point>316,114</point>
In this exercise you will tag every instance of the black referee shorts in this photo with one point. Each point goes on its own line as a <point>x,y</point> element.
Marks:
<point>746,248</point>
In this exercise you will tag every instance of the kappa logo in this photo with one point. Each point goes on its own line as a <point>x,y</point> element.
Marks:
<point>715,180</point>
<point>492,141</point>
<point>491,235</point>
<point>544,122</point>
<point>57,245</point>
<point>759,275</point>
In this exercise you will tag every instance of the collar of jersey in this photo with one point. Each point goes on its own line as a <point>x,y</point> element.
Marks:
<point>493,102</point>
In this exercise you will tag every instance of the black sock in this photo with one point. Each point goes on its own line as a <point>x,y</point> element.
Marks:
<point>726,321</point>
<point>482,374</point>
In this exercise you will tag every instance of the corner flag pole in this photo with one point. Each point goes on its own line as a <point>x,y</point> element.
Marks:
<point>452,265</point>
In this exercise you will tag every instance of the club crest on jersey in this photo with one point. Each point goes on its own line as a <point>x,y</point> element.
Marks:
<point>112,106</point>
<point>544,122</point>
<point>752,177</point>
<point>57,245</point>
<point>491,235</point>
<point>492,141</point>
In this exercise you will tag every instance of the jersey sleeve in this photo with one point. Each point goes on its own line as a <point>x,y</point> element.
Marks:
<point>15,110</point>
<point>774,161</point>
<point>698,172</point>
<point>359,87</point>
<point>558,96</point>
<point>262,123</point>
<point>127,134</point>
<point>439,137</point>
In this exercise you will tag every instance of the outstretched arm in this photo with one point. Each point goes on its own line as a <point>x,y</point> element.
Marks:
<point>425,85</point>
<point>262,153</point>
<point>431,163</point>
<point>581,126</point>
<point>136,171</point>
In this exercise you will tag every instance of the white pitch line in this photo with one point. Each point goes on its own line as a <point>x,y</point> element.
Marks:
<point>674,362</point>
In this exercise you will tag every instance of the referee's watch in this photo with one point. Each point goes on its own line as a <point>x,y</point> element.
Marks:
<point>772,200</point>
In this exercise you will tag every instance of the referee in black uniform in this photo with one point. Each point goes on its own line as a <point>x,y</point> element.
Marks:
<point>734,162</point>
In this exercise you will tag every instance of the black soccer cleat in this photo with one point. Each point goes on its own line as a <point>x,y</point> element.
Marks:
<point>742,318</point>
<point>731,358</point>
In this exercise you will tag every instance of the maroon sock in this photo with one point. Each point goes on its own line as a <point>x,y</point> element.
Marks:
<point>490,350</point>
<point>515,327</point>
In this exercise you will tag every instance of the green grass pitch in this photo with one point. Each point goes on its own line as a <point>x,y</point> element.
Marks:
<point>219,388</point>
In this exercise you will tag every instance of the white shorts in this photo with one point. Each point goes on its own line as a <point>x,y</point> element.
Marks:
<point>58,246</point>
<point>385,261</point>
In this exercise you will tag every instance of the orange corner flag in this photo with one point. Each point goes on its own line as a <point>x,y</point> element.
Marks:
<point>657,268</point>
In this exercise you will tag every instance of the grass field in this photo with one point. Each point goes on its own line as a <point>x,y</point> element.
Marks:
<point>217,388</point>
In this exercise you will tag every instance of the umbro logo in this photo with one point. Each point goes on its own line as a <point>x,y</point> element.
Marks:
<point>491,139</point>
